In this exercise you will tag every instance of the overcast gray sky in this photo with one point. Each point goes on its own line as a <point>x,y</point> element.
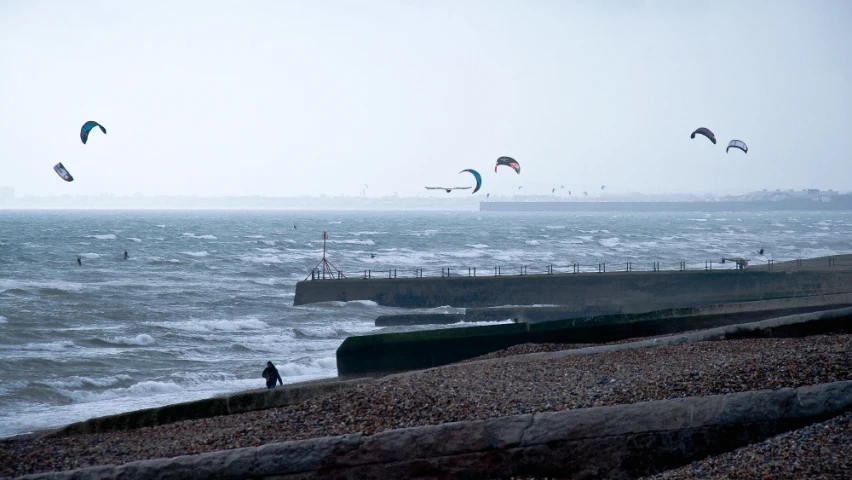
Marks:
<point>283,98</point>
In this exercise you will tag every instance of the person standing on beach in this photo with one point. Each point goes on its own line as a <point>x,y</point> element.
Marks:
<point>270,373</point>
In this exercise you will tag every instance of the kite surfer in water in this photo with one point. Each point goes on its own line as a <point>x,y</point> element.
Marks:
<point>79,261</point>
<point>126,256</point>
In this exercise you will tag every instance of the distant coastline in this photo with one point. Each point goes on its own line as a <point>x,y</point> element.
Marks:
<point>699,206</point>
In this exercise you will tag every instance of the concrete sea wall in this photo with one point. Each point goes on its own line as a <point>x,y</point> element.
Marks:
<point>588,293</point>
<point>619,442</point>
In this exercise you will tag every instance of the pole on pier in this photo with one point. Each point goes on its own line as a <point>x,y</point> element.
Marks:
<point>327,268</point>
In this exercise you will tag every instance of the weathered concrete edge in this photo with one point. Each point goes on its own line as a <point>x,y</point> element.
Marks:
<point>742,330</point>
<point>209,407</point>
<point>391,453</point>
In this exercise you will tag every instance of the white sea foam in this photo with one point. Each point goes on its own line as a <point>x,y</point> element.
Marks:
<point>265,259</point>
<point>141,339</point>
<point>362,303</point>
<point>3,319</point>
<point>196,254</point>
<point>354,242</point>
<point>62,285</point>
<point>160,226</point>
<point>108,236</point>
<point>90,255</point>
<point>200,237</point>
<point>532,242</point>
<point>141,389</point>
<point>237,325</point>
<point>134,239</point>
<point>50,346</point>
<point>254,236</point>
<point>610,242</point>
<point>477,245</point>
<point>77,382</point>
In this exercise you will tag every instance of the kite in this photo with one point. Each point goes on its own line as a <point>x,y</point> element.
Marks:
<point>477,176</point>
<point>448,189</point>
<point>62,172</point>
<point>87,127</point>
<point>737,144</point>
<point>706,132</point>
<point>509,162</point>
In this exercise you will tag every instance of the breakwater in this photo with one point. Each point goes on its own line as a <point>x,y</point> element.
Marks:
<point>627,291</point>
<point>384,353</point>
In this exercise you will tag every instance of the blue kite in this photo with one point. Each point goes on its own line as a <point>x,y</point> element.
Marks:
<point>477,176</point>
<point>88,126</point>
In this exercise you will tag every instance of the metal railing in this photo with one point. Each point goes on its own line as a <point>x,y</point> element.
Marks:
<point>574,268</point>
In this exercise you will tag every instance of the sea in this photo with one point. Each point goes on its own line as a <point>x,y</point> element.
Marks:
<point>205,298</point>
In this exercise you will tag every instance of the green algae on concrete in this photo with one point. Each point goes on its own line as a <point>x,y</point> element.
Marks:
<point>396,352</point>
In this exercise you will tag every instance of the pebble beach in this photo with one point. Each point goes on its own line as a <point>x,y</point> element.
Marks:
<point>504,385</point>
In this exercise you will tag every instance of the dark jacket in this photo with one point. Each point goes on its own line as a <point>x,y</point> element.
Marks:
<point>271,375</point>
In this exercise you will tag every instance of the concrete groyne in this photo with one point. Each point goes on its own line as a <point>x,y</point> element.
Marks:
<point>380,354</point>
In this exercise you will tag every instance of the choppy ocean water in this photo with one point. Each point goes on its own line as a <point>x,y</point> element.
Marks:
<point>206,297</point>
